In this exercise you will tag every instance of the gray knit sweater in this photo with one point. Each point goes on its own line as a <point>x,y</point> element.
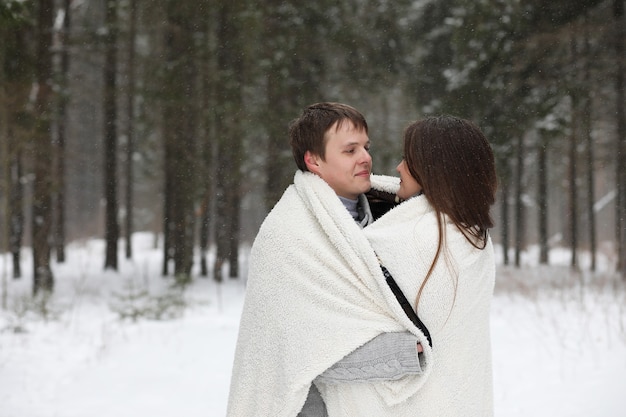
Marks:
<point>388,356</point>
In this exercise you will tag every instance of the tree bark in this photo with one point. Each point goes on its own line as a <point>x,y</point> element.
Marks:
<point>230,67</point>
<point>59,223</point>
<point>130,131</point>
<point>16,208</point>
<point>504,181</point>
<point>209,102</point>
<point>43,279</point>
<point>573,159</point>
<point>504,223</point>
<point>180,120</point>
<point>5,163</point>
<point>519,203</point>
<point>110,136</point>
<point>15,82</point>
<point>542,197</point>
<point>167,208</point>
<point>586,131</point>
<point>620,215</point>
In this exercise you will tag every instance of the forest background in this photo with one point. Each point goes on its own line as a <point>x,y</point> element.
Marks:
<point>119,116</point>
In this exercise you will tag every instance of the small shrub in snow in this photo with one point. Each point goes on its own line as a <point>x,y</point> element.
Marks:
<point>135,303</point>
<point>25,307</point>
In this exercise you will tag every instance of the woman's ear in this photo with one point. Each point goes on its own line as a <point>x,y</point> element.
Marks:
<point>312,162</point>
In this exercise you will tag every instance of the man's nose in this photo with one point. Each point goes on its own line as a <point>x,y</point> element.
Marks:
<point>365,157</point>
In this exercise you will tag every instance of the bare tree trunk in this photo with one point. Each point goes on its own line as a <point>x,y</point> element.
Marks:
<point>110,136</point>
<point>59,223</point>
<point>43,280</point>
<point>573,160</point>
<point>205,220</point>
<point>130,131</point>
<point>229,119</point>
<point>519,203</point>
<point>209,142</point>
<point>5,163</point>
<point>620,215</point>
<point>573,200</point>
<point>208,178</point>
<point>504,185</point>
<point>167,208</point>
<point>586,130</point>
<point>16,207</point>
<point>13,98</point>
<point>235,203</point>
<point>222,229</point>
<point>180,116</point>
<point>542,196</point>
<point>504,223</point>
<point>208,102</point>
<point>277,165</point>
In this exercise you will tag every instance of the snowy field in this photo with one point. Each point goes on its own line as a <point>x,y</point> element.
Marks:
<point>559,341</point>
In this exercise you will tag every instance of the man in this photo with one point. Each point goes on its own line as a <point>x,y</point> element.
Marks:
<point>310,270</point>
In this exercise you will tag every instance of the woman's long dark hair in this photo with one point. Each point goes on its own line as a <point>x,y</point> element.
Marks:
<point>453,162</point>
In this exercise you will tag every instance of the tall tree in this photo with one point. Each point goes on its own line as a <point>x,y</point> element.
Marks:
<point>495,62</point>
<point>620,154</point>
<point>16,204</point>
<point>209,102</point>
<point>4,159</point>
<point>586,129</point>
<point>293,67</point>
<point>17,74</point>
<point>573,156</point>
<point>130,130</point>
<point>43,280</point>
<point>504,186</point>
<point>180,130</point>
<point>61,123</point>
<point>520,235</point>
<point>229,129</point>
<point>112,232</point>
<point>542,194</point>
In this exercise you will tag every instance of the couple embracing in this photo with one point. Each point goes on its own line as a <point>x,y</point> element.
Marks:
<point>323,330</point>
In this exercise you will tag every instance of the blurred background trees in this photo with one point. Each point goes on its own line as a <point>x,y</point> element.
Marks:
<point>171,116</point>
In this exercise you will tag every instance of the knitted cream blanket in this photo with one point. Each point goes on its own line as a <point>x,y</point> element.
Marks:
<point>315,293</point>
<point>454,305</point>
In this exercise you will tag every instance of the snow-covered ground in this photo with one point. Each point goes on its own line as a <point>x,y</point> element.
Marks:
<point>559,341</point>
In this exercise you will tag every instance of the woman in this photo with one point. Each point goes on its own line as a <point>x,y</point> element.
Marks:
<point>437,247</point>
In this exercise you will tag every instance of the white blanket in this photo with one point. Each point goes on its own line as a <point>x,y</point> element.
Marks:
<point>454,305</point>
<point>315,293</point>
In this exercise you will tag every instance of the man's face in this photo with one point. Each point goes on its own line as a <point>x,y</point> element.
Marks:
<point>348,164</point>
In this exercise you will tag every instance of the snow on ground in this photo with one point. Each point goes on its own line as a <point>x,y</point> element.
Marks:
<point>559,341</point>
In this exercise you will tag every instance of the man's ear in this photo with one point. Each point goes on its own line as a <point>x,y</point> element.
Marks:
<point>312,162</point>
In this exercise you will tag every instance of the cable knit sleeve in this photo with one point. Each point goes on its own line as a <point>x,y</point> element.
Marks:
<point>388,356</point>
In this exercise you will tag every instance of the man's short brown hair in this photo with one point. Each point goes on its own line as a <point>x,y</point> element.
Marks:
<point>308,132</point>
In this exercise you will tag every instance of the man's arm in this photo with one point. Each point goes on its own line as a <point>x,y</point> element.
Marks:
<point>388,356</point>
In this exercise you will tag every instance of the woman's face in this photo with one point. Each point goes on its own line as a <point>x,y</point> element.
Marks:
<point>408,185</point>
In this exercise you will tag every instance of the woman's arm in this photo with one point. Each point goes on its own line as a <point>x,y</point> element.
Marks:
<point>388,356</point>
